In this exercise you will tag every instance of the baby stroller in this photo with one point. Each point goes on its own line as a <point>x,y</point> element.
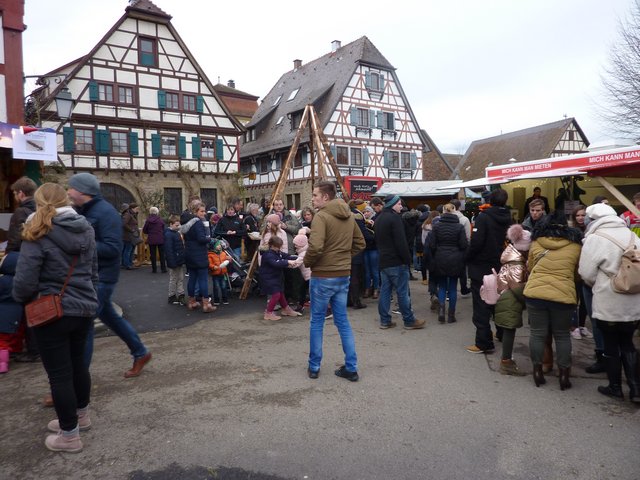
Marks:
<point>238,270</point>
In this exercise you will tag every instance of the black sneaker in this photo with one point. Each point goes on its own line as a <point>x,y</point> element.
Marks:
<point>384,326</point>
<point>225,301</point>
<point>172,299</point>
<point>313,374</point>
<point>344,373</point>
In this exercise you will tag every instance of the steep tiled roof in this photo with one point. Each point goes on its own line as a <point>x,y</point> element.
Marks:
<point>148,7</point>
<point>321,82</point>
<point>523,145</point>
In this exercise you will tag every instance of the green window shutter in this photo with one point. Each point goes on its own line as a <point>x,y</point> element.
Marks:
<point>93,91</point>
<point>381,120</point>
<point>392,117</point>
<point>372,118</point>
<point>147,59</point>
<point>305,156</point>
<point>182,147</point>
<point>414,161</point>
<point>133,143</point>
<point>106,141</point>
<point>200,104</point>
<point>334,151</point>
<point>386,159</point>
<point>162,99</point>
<point>365,157</point>
<point>195,148</point>
<point>219,149</point>
<point>100,141</point>
<point>367,80</point>
<point>69,139</point>
<point>353,114</point>
<point>381,82</point>
<point>156,145</point>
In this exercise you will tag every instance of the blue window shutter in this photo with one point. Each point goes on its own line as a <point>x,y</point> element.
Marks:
<point>195,148</point>
<point>182,147</point>
<point>381,120</point>
<point>69,139</point>
<point>219,149</point>
<point>365,157</point>
<point>162,99</point>
<point>333,151</point>
<point>305,156</point>
<point>133,143</point>
<point>93,91</point>
<point>414,161</point>
<point>381,82</point>
<point>353,114</point>
<point>386,159</point>
<point>367,80</point>
<point>106,141</point>
<point>200,104</point>
<point>372,118</point>
<point>392,126</point>
<point>156,145</point>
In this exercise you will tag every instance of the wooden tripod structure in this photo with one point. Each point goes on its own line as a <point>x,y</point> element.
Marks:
<point>319,155</point>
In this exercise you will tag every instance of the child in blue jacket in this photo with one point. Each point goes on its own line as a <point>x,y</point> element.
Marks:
<point>174,253</point>
<point>272,278</point>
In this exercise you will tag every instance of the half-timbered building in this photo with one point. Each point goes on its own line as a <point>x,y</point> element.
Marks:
<point>363,111</point>
<point>147,120</point>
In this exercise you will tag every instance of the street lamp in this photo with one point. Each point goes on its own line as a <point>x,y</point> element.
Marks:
<point>64,104</point>
<point>64,100</point>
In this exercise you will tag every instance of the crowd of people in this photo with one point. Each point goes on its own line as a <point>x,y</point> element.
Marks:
<point>558,268</point>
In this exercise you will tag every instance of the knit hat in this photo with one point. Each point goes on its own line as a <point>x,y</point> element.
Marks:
<point>300,241</point>
<point>599,210</point>
<point>391,200</point>
<point>215,218</point>
<point>520,237</point>
<point>274,218</point>
<point>85,183</point>
<point>368,209</point>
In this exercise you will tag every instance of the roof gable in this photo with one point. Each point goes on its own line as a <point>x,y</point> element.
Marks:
<point>522,145</point>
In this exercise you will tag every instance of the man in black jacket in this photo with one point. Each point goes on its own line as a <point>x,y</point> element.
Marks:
<point>485,249</point>
<point>395,260</point>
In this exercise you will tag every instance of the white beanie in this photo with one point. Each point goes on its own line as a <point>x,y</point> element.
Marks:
<point>600,210</point>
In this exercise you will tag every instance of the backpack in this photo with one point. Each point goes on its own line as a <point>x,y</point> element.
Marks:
<point>627,279</point>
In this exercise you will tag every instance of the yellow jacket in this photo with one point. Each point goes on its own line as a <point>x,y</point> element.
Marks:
<point>553,276</point>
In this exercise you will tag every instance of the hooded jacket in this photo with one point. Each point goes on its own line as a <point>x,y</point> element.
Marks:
<point>335,238</point>
<point>44,264</point>
<point>173,248</point>
<point>231,223</point>
<point>196,240</point>
<point>154,228</point>
<point>487,241</point>
<point>448,244</point>
<point>601,258</point>
<point>26,208</point>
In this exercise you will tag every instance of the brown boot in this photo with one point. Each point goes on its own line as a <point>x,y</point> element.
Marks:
<point>207,307</point>
<point>138,365</point>
<point>192,304</point>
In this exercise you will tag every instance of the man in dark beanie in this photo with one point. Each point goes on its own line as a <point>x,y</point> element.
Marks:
<point>395,259</point>
<point>84,193</point>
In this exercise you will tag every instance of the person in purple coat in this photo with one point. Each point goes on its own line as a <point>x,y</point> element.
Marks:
<point>154,228</point>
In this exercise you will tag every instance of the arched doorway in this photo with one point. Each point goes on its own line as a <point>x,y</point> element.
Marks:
<point>116,195</point>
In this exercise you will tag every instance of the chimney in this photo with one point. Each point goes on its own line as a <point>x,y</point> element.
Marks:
<point>297,64</point>
<point>231,83</point>
<point>335,45</point>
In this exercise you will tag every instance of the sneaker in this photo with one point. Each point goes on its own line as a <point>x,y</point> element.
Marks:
<point>344,373</point>
<point>313,374</point>
<point>384,326</point>
<point>299,309</point>
<point>509,367</point>
<point>64,443</point>
<point>172,300</point>
<point>465,295</point>
<point>416,325</point>
<point>585,332</point>
<point>216,303</point>
<point>225,302</point>
<point>396,310</point>
<point>575,334</point>
<point>475,349</point>
<point>271,316</point>
<point>328,316</point>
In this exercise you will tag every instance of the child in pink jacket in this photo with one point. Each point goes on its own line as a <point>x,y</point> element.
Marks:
<point>301,244</point>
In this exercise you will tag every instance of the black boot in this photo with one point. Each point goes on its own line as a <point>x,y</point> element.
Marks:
<point>538,376</point>
<point>441,312</point>
<point>614,374</point>
<point>564,373</point>
<point>630,365</point>
<point>452,316</point>
<point>599,366</point>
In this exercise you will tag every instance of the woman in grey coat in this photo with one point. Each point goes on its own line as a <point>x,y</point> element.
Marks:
<point>54,238</point>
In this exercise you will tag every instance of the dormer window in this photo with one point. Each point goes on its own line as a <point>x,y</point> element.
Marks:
<point>279,122</point>
<point>374,83</point>
<point>277,100</point>
<point>293,94</point>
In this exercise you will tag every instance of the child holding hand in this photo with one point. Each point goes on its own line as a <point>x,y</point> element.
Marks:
<point>218,262</point>
<point>272,266</point>
<point>301,242</point>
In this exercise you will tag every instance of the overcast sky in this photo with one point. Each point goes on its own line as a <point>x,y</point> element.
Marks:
<point>471,68</point>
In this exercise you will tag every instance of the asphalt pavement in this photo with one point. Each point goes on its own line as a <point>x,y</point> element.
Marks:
<point>226,396</point>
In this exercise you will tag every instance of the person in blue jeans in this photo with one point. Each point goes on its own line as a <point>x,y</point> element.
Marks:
<point>84,193</point>
<point>335,238</point>
<point>395,260</point>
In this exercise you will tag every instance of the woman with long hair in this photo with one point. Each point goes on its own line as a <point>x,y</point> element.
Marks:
<point>550,293</point>
<point>58,242</point>
<point>427,261</point>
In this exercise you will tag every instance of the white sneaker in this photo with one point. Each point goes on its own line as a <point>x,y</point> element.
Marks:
<point>585,332</point>
<point>576,334</point>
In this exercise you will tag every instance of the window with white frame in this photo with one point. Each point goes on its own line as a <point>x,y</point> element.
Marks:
<point>169,146</point>
<point>207,148</point>
<point>119,143</point>
<point>394,159</point>
<point>173,101</point>
<point>105,92</point>
<point>84,140</point>
<point>363,117</point>
<point>356,157</point>
<point>125,95</point>
<point>189,103</point>
<point>405,160</point>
